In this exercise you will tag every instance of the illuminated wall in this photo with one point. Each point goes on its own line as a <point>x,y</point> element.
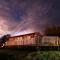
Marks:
<point>28,39</point>
<point>49,40</point>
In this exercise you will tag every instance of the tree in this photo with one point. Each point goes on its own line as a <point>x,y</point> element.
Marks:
<point>4,38</point>
<point>53,31</point>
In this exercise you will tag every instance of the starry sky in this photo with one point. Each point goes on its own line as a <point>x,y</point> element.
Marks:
<point>27,16</point>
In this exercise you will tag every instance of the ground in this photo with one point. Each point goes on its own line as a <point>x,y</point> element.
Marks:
<point>11,54</point>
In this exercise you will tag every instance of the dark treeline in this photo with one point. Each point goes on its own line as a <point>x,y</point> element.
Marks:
<point>53,31</point>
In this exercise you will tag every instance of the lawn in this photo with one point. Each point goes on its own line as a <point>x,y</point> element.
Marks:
<point>9,54</point>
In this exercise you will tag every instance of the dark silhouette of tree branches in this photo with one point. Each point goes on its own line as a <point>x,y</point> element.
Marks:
<point>4,38</point>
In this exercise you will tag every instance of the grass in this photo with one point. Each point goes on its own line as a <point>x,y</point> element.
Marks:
<point>9,54</point>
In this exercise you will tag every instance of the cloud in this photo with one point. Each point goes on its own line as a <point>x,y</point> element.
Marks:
<point>19,16</point>
<point>35,19</point>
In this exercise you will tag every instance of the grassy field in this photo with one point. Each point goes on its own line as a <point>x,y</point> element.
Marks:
<point>10,54</point>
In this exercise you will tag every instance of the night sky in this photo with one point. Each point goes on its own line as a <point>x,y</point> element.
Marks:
<point>27,16</point>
